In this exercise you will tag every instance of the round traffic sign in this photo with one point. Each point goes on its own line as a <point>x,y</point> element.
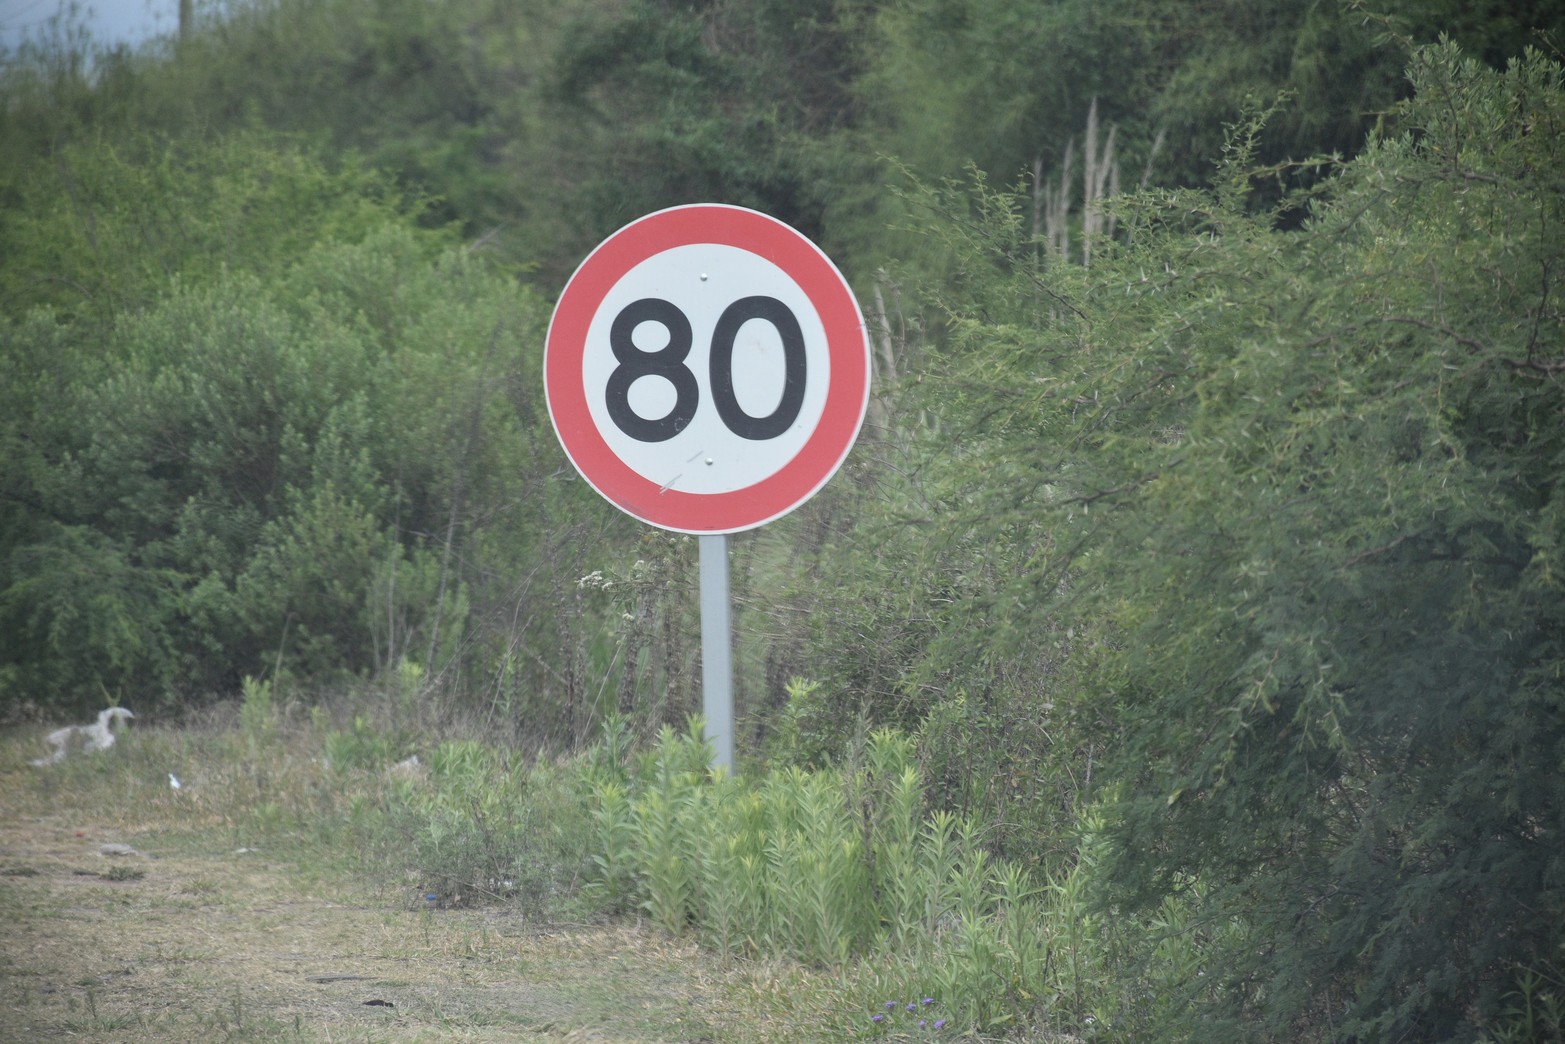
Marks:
<point>707,369</point>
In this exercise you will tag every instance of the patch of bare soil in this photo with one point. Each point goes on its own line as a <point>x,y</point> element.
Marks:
<point>108,935</point>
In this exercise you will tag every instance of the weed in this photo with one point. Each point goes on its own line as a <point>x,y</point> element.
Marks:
<point>836,868</point>
<point>257,714</point>
<point>269,835</point>
<point>1537,1009</point>
<point>123,873</point>
<point>833,882</point>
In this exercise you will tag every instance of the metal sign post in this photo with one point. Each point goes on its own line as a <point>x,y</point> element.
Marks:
<point>717,643</point>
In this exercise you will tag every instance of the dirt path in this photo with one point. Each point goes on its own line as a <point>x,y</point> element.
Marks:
<point>185,941</point>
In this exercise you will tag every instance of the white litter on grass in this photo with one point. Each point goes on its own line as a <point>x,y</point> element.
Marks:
<point>409,768</point>
<point>117,850</point>
<point>173,781</point>
<point>87,739</point>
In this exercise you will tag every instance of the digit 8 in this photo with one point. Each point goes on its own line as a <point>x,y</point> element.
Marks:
<point>667,362</point>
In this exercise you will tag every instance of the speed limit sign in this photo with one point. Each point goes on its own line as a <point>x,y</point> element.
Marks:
<point>707,369</point>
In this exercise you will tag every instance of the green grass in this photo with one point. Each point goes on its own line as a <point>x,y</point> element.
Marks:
<point>299,872</point>
<point>275,864</point>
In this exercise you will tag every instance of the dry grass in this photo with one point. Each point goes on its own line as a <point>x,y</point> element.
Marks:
<point>210,932</point>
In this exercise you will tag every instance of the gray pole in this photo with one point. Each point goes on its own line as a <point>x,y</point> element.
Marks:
<point>717,659</point>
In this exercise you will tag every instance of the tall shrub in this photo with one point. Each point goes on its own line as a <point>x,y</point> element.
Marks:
<point>292,438</point>
<point>1297,495</point>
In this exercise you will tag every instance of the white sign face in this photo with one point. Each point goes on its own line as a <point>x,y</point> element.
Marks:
<point>702,282</point>
<point>707,369</point>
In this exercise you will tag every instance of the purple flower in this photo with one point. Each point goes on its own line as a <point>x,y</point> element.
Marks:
<point>912,1007</point>
<point>940,1024</point>
<point>877,1018</point>
<point>922,1023</point>
<point>929,1000</point>
<point>890,1005</point>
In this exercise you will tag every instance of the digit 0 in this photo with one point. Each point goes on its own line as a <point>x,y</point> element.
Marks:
<point>668,362</point>
<point>773,311</point>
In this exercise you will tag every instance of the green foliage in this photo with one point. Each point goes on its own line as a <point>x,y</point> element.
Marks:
<point>97,227</point>
<point>1239,540</point>
<point>1534,1010</point>
<point>89,615</point>
<point>365,744</point>
<point>541,127</point>
<point>429,93</point>
<point>1298,494</point>
<point>807,732</point>
<point>258,713</point>
<point>776,867</point>
<point>649,105</point>
<point>992,83</point>
<point>840,868</point>
<point>471,820</point>
<point>277,462</point>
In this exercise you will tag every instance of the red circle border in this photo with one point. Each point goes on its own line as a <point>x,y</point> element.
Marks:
<point>847,396</point>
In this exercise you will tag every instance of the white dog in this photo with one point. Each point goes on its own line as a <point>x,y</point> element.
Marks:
<point>85,738</point>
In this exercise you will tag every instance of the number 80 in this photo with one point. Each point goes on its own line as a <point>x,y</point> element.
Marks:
<point>668,362</point>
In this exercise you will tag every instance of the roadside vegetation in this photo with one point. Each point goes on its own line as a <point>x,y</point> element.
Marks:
<point>1177,656</point>
<point>289,891</point>
<point>827,904</point>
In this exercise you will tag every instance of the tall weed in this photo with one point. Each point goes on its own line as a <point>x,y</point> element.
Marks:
<point>840,868</point>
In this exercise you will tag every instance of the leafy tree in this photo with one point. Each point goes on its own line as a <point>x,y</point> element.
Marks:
<point>667,103</point>
<point>1008,87</point>
<point>259,428</point>
<point>1298,497</point>
<point>98,227</point>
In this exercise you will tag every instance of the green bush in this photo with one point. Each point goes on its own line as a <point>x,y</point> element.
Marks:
<point>1295,498</point>
<point>281,460</point>
<point>840,868</point>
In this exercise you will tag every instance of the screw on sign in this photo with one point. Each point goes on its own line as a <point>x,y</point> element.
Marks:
<point>707,369</point>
